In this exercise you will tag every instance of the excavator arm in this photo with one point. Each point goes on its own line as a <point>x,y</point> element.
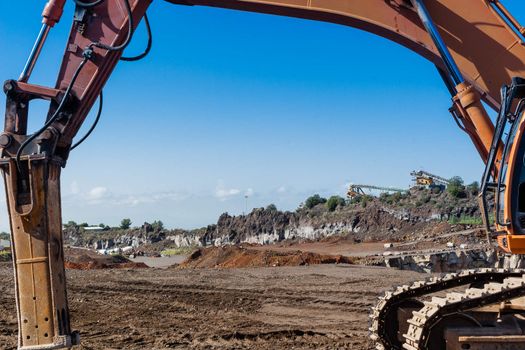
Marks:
<point>476,45</point>
<point>32,163</point>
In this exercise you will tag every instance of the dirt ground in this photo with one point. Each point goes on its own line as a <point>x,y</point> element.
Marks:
<point>241,257</point>
<point>306,307</point>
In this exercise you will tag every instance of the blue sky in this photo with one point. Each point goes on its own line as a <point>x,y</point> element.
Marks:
<point>230,104</point>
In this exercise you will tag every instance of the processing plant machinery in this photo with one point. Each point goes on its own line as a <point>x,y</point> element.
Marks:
<point>424,178</point>
<point>359,190</point>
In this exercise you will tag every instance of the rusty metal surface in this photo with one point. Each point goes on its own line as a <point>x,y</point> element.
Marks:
<point>495,338</point>
<point>36,225</point>
<point>109,26</point>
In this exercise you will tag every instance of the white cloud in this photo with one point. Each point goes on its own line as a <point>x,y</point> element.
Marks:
<point>101,195</point>
<point>174,196</point>
<point>281,189</point>
<point>74,189</point>
<point>148,198</point>
<point>249,192</point>
<point>97,193</point>
<point>224,193</point>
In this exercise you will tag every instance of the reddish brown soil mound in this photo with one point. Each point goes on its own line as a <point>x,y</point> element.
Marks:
<point>81,259</point>
<point>230,257</point>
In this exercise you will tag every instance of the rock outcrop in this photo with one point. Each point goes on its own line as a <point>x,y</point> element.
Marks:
<point>450,261</point>
<point>418,214</point>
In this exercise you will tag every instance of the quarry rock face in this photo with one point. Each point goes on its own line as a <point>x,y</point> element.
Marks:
<point>420,214</point>
<point>450,261</point>
<point>376,220</point>
<point>185,240</point>
<point>511,261</point>
<point>455,260</point>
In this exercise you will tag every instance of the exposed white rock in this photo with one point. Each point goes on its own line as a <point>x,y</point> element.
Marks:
<point>265,238</point>
<point>185,240</point>
<point>444,261</point>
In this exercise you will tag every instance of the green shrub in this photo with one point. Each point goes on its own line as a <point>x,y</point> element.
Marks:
<point>354,200</point>
<point>314,200</point>
<point>157,225</point>
<point>364,201</point>
<point>334,202</point>
<point>178,251</point>
<point>456,188</point>
<point>271,207</point>
<point>466,220</point>
<point>473,188</point>
<point>5,255</point>
<point>125,224</point>
<point>70,224</point>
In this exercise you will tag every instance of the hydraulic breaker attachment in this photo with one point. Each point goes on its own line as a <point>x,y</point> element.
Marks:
<point>38,256</point>
<point>32,185</point>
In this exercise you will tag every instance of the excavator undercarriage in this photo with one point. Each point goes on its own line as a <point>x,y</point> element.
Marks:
<point>477,47</point>
<point>404,319</point>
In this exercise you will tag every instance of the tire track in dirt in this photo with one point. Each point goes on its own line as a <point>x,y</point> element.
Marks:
<point>314,307</point>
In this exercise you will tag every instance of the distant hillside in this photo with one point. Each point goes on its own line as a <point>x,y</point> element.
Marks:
<point>395,217</point>
<point>364,218</point>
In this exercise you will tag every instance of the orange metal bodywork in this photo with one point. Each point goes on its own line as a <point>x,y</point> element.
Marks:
<point>510,242</point>
<point>514,244</point>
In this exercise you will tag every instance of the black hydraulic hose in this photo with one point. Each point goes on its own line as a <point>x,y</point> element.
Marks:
<point>498,132</point>
<point>99,113</point>
<point>61,105</point>
<point>500,124</point>
<point>148,47</point>
<point>128,38</point>
<point>512,132</point>
<point>88,4</point>
<point>53,118</point>
<point>128,59</point>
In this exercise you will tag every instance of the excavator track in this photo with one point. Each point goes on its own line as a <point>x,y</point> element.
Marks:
<point>421,325</point>
<point>384,322</point>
